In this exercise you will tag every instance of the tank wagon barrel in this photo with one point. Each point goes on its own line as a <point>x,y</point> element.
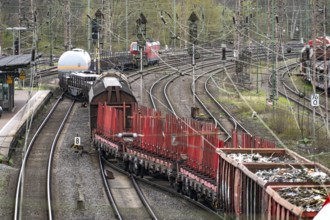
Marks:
<point>74,61</point>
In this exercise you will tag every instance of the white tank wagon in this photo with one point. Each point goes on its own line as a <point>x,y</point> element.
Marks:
<point>76,60</point>
<point>75,77</point>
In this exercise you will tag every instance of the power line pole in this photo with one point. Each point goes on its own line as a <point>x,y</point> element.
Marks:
<point>174,25</point>
<point>326,66</point>
<point>67,26</point>
<point>276,45</point>
<point>268,40</point>
<point>126,21</point>
<point>182,15</point>
<point>98,21</point>
<point>237,22</point>
<point>141,30</point>
<point>19,24</point>
<point>319,29</point>
<point>258,46</point>
<point>109,24</point>
<point>277,33</point>
<point>50,34</point>
<point>242,54</point>
<point>193,34</point>
<point>89,26</point>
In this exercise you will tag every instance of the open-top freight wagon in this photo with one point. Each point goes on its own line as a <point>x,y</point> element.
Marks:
<point>184,151</point>
<point>250,180</point>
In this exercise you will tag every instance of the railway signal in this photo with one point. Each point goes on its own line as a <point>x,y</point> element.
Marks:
<point>223,46</point>
<point>95,29</point>
<point>193,19</point>
<point>96,24</point>
<point>141,30</point>
<point>16,46</point>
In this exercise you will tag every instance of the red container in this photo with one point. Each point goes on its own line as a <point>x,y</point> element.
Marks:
<point>100,110</point>
<point>280,208</point>
<point>239,192</point>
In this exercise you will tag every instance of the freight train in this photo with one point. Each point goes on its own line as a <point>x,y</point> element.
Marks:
<point>77,73</point>
<point>254,180</point>
<point>309,55</point>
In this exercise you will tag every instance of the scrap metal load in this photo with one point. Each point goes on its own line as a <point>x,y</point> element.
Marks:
<point>241,181</point>
<point>271,183</point>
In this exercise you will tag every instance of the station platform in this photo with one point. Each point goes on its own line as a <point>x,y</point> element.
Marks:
<point>12,123</point>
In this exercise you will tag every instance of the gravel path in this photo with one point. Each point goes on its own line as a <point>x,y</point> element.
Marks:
<point>77,188</point>
<point>8,178</point>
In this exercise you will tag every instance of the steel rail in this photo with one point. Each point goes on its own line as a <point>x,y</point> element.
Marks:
<point>50,162</point>
<point>143,199</point>
<point>20,177</point>
<point>109,193</point>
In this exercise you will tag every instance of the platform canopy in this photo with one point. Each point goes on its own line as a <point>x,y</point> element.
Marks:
<point>14,62</point>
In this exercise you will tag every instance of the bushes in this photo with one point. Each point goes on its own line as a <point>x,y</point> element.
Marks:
<point>283,124</point>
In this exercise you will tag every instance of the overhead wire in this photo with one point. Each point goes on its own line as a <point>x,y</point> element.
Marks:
<point>183,28</point>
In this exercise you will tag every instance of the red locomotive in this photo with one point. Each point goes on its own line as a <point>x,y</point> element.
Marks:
<point>308,53</point>
<point>150,53</point>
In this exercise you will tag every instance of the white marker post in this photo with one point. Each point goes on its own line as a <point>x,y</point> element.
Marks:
<point>315,102</point>
<point>77,141</point>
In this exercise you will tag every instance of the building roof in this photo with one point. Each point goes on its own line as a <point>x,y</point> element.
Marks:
<point>15,61</point>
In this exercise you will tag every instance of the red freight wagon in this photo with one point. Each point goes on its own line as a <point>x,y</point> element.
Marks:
<point>234,187</point>
<point>243,188</point>
<point>281,207</point>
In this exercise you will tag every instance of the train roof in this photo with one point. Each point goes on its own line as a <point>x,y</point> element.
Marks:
<point>105,82</point>
<point>116,74</point>
<point>319,41</point>
<point>152,43</point>
<point>82,74</point>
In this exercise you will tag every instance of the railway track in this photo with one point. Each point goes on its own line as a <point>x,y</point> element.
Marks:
<point>155,211</point>
<point>33,193</point>
<point>162,84</point>
<point>165,102</point>
<point>125,194</point>
<point>218,112</point>
<point>210,105</point>
<point>296,95</point>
